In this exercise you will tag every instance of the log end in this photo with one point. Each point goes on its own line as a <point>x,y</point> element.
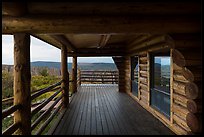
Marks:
<point>191,106</point>
<point>191,90</point>
<point>193,123</point>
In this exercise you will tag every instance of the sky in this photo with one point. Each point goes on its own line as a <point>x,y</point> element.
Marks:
<point>41,51</point>
<point>163,60</point>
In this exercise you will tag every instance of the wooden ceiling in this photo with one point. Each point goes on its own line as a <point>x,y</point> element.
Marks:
<point>95,27</point>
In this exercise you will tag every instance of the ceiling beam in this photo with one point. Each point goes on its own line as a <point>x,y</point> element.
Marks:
<point>14,8</point>
<point>64,41</point>
<point>55,24</point>
<point>142,7</point>
<point>91,52</point>
<point>104,39</point>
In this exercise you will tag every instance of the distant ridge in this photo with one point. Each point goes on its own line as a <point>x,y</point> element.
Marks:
<point>83,66</point>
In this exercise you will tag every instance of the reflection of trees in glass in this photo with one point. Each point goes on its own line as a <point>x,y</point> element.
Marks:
<point>136,73</point>
<point>162,73</point>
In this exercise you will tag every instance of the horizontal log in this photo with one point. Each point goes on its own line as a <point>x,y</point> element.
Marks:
<point>180,111</point>
<point>186,58</point>
<point>180,98</point>
<point>194,122</point>
<point>180,103</point>
<point>139,39</point>
<point>189,89</point>
<point>94,54</point>
<point>143,72</point>
<point>182,123</point>
<point>179,130</point>
<point>183,75</point>
<point>42,128</point>
<point>38,108</point>
<point>99,81</point>
<point>143,99</point>
<point>41,117</point>
<point>44,90</point>
<point>143,68</point>
<point>143,59</point>
<point>143,86</point>
<point>64,41</point>
<point>98,71</point>
<point>158,47</point>
<point>14,8</point>
<point>10,130</point>
<point>7,100</point>
<point>143,79</point>
<point>144,93</point>
<point>10,110</point>
<point>124,8</point>
<point>196,71</point>
<point>154,39</point>
<point>178,58</point>
<point>46,23</point>
<point>142,65</point>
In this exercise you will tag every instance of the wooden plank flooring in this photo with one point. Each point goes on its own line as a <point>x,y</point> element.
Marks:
<point>102,110</point>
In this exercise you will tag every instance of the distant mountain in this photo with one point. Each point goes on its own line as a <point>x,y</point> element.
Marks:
<point>49,64</point>
<point>82,66</point>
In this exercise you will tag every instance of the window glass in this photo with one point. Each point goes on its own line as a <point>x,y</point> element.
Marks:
<point>160,84</point>
<point>162,73</point>
<point>134,75</point>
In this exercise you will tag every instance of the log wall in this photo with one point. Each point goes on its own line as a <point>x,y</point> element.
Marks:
<point>186,87</point>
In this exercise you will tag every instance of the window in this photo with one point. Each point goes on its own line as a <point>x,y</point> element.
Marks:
<point>160,83</point>
<point>134,75</point>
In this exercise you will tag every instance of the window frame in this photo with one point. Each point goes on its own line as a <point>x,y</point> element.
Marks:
<point>152,58</point>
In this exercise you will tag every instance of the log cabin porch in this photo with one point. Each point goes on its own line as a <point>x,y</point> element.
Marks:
<point>99,109</point>
<point>133,34</point>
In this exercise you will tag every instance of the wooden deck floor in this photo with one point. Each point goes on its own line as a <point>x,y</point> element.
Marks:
<point>101,110</point>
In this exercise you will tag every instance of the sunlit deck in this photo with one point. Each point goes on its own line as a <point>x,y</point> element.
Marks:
<point>101,110</point>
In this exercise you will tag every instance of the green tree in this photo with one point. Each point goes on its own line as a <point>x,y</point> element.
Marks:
<point>7,84</point>
<point>44,72</point>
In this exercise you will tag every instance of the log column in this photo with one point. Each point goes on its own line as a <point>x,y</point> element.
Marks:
<point>119,61</point>
<point>65,77</point>
<point>74,74</point>
<point>22,79</point>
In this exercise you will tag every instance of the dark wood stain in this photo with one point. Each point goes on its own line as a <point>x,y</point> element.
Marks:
<point>102,110</point>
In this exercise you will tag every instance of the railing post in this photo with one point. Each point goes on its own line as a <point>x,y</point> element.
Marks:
<point>74,74</point>
<point>22,79</point>
<point>79,77</point>
<point>65,77</point>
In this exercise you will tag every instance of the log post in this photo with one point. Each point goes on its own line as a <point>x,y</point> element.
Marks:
<point>79,77</point>
<point>74,74</point>
<point>22,79</point>
<point>65,77</point>
<point>120,62</point>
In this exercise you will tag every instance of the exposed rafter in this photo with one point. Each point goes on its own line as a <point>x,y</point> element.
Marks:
<point>104,39</point>
<point>90,52</point>
<point>100,24</point>
<point>14,8</point>
<point>64,41</point>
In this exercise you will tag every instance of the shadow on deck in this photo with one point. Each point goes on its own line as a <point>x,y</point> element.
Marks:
<point>101,110</point>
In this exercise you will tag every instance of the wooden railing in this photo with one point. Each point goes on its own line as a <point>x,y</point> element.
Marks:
<point>92,76</point>
<point>46,115</point>
<point>10,130</point>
